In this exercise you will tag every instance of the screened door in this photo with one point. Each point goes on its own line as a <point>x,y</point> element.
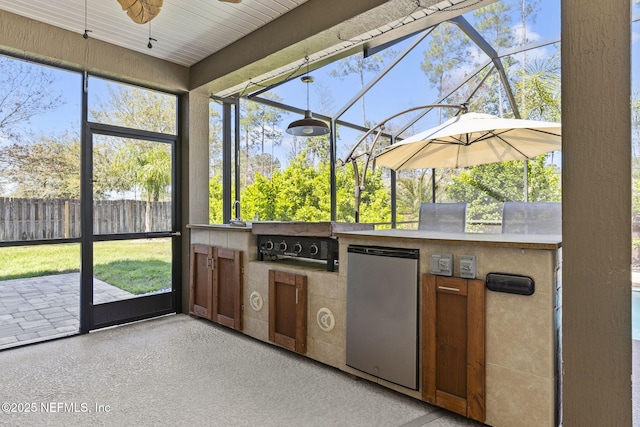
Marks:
<point>129,257</point>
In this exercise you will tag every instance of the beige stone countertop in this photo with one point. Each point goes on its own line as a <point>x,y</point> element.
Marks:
<point>520,241</point>
<point>221,227</point>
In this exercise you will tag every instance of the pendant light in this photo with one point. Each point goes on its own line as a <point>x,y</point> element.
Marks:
<point>308,126</point>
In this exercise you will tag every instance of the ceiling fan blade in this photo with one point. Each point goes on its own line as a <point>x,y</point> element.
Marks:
<point>141,11</point>
<point>231,1</point>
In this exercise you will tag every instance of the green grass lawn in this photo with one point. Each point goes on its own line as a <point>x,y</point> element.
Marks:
<point>136,266</point>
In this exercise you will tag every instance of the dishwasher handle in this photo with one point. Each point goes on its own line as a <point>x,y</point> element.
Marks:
<point>384,251</point>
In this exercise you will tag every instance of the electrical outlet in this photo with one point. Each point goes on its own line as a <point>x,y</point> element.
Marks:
<point>442,264</point>
<point>468,266</point>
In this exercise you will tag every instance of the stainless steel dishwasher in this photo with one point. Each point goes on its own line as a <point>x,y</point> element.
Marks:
<point>382,313</point>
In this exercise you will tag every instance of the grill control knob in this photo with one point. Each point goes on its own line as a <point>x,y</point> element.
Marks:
<point>297,248</point>
<point>313,249</point>
<point>268,245</point>
<point>283,246</point>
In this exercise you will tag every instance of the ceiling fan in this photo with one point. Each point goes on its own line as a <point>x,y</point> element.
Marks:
<point>143,11</point>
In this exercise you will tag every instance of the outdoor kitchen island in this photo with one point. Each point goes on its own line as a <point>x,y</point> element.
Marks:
<point>513,322</point>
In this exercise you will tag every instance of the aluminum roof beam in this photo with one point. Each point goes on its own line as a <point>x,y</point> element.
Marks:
<point>480,41</point>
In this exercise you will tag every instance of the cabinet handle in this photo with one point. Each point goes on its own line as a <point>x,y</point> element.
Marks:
<point>296,295</point>
<point>446,288</point>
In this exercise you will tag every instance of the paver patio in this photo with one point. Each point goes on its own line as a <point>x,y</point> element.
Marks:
<point>44,307</point>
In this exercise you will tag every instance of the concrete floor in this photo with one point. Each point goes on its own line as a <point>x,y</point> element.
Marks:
<point>178,370</point>
<point>41,308</point>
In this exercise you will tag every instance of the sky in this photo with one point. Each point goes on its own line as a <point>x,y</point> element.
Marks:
<point>403,87</point>
<point>409,86</point>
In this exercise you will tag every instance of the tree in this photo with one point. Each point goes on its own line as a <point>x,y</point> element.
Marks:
<point>133,165</point>
<point>375,205</point>
<point>260,198</point>
<point>486,187</point>
<point>147,165</point>
<point>215,199</point>
<point>136,108</point>
<point>215,140</point>
<point>540,87</point>
<point>444,55</point>
<point>315,149</point>
<point>265,164</point>
<point>414,188</point>
<point>48,168</point>
<point>259,125</point>
<point>25,91</point>
<point>527,12</point>
<point>259,122</point>
<point>301,192</point>
<point>292,194</point>
<point>495,25</point>
<point>360,66</point>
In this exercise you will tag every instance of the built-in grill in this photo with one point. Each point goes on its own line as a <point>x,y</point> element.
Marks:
<point>311,240</point>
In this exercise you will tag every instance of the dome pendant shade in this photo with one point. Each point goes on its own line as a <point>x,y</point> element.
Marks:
<point>308,126</point>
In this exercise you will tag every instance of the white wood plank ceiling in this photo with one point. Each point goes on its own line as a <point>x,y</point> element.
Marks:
<point>186,31</point>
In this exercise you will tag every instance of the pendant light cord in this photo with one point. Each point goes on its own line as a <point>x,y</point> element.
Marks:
<point>86,31</point>
<point>149,45</point>
<point>307,83</point>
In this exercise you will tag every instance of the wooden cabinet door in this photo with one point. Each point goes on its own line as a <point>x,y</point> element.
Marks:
<point>227,288</point>
<point>200,276</point>
<point>288,310</point>
<point>453,340</point>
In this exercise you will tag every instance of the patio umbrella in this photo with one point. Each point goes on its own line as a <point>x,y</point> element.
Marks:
<point>472,139</point>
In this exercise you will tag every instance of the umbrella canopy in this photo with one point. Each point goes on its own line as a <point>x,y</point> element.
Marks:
<point>472,139</point>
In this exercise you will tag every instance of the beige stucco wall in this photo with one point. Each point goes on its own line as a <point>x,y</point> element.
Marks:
<point>194,150</point>
<point>596,196</point>
<point>520,330</point>
<point>26,38</point>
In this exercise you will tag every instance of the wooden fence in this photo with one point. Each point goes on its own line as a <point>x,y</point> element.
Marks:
<point>32,219</point>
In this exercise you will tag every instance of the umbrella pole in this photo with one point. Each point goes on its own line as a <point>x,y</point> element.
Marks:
<point>433,185</point>
<point>357,212</point>
<point>356,191</point>
<point>526,180</point>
